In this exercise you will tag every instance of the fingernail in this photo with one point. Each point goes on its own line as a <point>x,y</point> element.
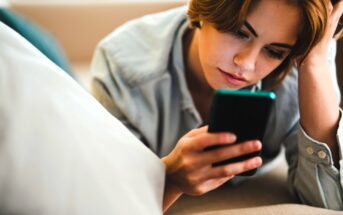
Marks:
<point>258,161</point>
<point>228,138</point>
<point>233,137</point>
<point>258,144</point>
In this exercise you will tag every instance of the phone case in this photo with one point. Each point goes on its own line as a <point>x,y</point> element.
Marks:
<point>243,113</point>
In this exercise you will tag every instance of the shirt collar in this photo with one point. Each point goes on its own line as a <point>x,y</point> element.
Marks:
<point>178,65</point>
<point>256,87</point>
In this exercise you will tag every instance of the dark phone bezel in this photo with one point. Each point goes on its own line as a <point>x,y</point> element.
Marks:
<point>256,106</point>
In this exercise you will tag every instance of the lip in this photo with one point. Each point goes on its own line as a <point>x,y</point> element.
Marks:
<point>233,79</point>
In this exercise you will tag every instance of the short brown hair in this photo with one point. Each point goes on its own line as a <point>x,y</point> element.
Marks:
<point>229,16</point>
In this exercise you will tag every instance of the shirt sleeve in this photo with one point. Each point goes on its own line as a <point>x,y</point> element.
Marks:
<point>312,176</point>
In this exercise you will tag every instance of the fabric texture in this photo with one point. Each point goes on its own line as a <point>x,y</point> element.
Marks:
<point>282,209</point>
<point>61,152</point>
<point>40,38</point>
<point>139,76</point>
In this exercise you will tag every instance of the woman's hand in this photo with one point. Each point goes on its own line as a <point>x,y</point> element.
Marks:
<point>319,53</point>
<point>319,109</point>
<point>189,166</point>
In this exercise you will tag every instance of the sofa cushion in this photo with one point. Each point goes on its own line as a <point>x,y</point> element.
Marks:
<point>282,209</point>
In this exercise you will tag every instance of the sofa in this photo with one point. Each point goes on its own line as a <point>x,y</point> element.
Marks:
<point>78,27</point>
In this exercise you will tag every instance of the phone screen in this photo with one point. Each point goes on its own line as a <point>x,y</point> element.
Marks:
<point>243,113</point>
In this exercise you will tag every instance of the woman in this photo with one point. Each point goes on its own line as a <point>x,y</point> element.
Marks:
<point>158,74</point>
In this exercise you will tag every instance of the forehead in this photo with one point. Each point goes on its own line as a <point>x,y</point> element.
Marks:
<point>276,20</point>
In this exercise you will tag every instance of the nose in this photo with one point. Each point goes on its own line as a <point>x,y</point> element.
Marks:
<point>245,59</point>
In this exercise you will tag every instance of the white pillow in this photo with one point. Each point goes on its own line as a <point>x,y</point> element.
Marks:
<point>61,152</point>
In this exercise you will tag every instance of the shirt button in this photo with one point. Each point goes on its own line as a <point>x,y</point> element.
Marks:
<point>322,154</point>
<point>309,150</point>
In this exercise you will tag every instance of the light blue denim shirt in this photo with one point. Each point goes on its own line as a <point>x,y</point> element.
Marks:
<point>138,75</point>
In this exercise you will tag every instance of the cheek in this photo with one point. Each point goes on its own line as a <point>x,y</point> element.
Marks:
<point>264,67</point>
<point>215,54</point>
<point>206,52</point>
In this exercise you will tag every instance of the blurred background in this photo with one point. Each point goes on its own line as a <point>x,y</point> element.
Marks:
<point>78,25</point>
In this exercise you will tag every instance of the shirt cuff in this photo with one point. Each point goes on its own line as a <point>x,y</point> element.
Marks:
<point>316,151</point>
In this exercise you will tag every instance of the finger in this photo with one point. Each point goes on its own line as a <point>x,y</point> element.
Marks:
<point>205,140</point>
<point>197,131</point>
<point>337,11</point>
<point>233,151</point>
<point>234,168</point>
<point>335,16</point>
<point>211,184</point>
<point>329,7</point>
<point>225,179</point>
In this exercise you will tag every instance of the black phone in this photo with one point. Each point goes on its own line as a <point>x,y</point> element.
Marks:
<point>244,113</point>
<point>340,22</point>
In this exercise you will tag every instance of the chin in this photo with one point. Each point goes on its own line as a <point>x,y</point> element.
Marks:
<point>225,86</point>
<point>232,87</point>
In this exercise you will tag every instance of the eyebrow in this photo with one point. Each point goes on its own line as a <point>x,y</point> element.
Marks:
<point>252,30</point>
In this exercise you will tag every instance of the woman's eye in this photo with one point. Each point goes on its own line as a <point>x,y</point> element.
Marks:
<point>240,34</point>
<point>275,54</point>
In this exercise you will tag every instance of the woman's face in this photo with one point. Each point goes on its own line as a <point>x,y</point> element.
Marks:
<point>237,60</point>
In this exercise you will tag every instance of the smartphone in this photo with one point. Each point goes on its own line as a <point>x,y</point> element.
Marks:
<point>340,22</point>
<point>244,113</point>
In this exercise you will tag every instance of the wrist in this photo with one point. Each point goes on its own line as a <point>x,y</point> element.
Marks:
<point>168,163</point>
<point>314,61</point>
<point>313,66</point>
<point>170,182</point>
<point>171,193</point>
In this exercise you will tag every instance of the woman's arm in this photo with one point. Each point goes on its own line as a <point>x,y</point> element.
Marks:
<point>171,193</point>
<point>319,108</point>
